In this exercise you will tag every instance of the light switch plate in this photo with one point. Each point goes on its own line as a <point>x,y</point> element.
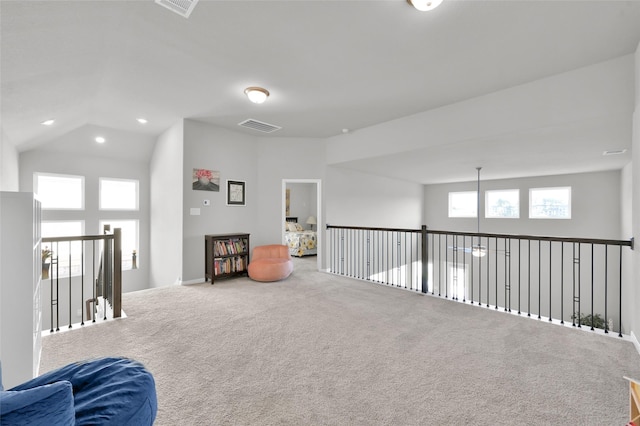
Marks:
<point>195,211</point>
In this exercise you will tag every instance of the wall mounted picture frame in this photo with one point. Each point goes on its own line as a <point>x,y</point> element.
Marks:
<point>206,180</point>
<point>236,195</point>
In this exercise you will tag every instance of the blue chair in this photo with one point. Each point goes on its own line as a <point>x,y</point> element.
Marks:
<point>104,391</point>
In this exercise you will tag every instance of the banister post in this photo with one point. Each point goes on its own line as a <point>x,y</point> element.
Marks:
<point>117,273</point>
<point>425,257</point>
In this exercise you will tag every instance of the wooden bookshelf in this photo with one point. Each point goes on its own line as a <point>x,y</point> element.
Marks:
<point>225,256</point>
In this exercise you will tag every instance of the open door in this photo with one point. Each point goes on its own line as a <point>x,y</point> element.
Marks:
<point>303,214</point>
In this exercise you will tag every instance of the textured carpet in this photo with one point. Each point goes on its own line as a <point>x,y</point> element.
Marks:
<point>317,349</point>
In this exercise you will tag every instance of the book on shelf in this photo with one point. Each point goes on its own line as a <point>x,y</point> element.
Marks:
<point>229,247</point>
<point>230,265</point>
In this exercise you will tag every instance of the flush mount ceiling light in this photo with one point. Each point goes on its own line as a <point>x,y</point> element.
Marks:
<point>100,139</point>
<point>142,120</point>
<point>424,5</point>
<point>257,95</point>
<point>48,122</point>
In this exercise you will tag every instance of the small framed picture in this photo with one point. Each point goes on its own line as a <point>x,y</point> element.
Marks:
<point>236,193</point>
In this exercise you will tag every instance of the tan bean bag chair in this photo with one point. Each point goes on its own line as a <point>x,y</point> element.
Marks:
<point>270,263</point>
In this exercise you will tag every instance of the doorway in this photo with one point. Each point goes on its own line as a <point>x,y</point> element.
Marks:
<point>315,192</point>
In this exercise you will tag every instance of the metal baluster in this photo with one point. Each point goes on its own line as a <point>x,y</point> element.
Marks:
<point>562,283</point>
<point>539,279</point>
<point>606,286</point>
<point>488,275</point>
<point>507,271</point>
<point>519,274</point>
<point>496,285</point>
<point>82,283</point>
<point>592,289</point>
<point>529,281</point>
<point>550,245</point>
<point>620,293</point>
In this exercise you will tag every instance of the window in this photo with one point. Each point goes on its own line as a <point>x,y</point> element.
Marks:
<point>61,192</point>
<point>118,194</point>
<point>61,250</point>
<point>463,204</point>
<point>550,203</point>
<point>129,231</point>
<point>503,203</point>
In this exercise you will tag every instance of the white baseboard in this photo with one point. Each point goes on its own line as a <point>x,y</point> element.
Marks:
<point>635,341</point>
<point>191,282</point>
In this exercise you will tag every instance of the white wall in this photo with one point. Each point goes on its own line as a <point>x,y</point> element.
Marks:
<point>635,320</point>
<point>626,220</point>
<point>234,156</point>
<point>595,210</point>
<point>578,96</point>
<point>359,199</point>
<point>9,165</point>
<point>92,168</point>
<point>278,159</point>
<point>166,176</point>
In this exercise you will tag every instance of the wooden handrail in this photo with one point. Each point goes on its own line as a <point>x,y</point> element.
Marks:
<point>629,242</point>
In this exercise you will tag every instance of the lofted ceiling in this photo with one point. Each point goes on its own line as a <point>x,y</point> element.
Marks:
<point>329,65</point>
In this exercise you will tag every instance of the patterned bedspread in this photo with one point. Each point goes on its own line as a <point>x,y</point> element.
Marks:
<point>301,243</point>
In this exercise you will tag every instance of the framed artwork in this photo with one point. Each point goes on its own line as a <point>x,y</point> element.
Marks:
<point>206,180</point>
<point>236,193</point>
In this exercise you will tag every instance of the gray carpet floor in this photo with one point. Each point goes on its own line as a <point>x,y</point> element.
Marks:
<point>317,349</point>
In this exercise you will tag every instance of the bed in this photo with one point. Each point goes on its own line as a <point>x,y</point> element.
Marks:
<point>301,242</point>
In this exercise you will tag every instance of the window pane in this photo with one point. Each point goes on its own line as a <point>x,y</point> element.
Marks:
<point>550,203</point>
<point>60,191</point>
<point>503,203</point>
<point>118,194</point>
<point>61,251</point>
<point>129,231</point>
<point>463,204</point>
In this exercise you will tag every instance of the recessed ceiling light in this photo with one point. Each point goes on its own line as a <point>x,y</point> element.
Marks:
<point>614,152</point>
<point>48,122</point>
<point>142,120</point>
<point>257,95</point>
<point>424,5</point>
<point>100,139</point>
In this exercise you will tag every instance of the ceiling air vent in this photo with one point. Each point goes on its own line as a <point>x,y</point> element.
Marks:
<point>259,126</point>
<point>181,7</point>
<point>614,152</point>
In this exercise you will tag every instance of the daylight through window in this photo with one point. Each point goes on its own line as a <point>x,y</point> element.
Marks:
<point>62,192</point>
<point>463,204</point>
<point>118,194</point>
<point>550,203</point>
<point>64,249</point>
<point>503,203</point>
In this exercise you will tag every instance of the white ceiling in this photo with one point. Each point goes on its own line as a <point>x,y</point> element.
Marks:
<point>328,64</point>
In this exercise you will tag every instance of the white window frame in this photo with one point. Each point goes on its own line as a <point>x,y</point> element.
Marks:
<point>488,207</point>
<point>36,189</point>
<point>532,215</point>
<point>452,195</point>
<point>137,194</point>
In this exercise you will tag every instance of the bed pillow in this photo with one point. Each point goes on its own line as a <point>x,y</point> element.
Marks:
<point>291,227</point>
<point>299,227</point>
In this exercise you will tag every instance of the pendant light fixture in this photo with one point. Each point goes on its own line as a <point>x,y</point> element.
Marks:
<point>257,95</point>
<point>424,5</point>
